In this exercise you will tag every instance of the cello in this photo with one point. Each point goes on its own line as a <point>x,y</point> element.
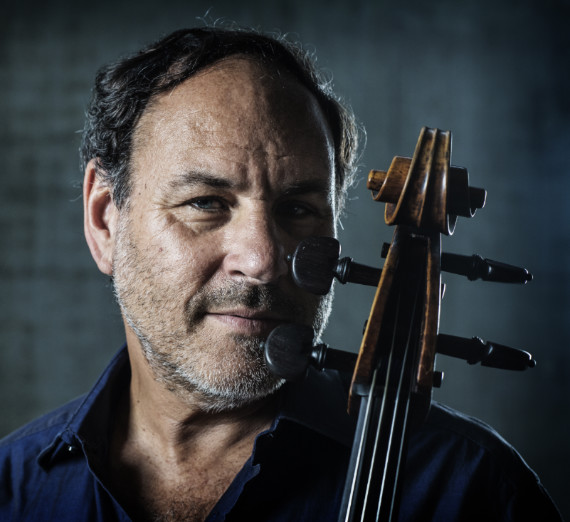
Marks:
<point>394,372</point>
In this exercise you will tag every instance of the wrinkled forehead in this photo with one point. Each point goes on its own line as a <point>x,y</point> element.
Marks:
<point>237,90</point>
<point>235,109</point>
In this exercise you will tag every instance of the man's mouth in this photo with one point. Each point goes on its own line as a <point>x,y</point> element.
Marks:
<point>247,321</point>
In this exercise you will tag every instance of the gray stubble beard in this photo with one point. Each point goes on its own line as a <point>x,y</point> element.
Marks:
<point>220,381</point>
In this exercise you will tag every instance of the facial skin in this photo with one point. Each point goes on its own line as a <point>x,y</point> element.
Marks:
<point>229,171</point>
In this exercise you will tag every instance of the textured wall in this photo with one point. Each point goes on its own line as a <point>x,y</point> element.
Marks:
<point>495,73</point>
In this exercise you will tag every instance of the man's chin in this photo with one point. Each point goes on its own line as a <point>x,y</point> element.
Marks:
<point>222,380</point>
<point>215,400</point>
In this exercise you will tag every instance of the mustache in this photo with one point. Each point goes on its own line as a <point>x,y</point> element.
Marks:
<point>238,294</point>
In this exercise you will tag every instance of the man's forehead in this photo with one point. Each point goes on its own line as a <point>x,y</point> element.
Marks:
<point>235,87</point>
<point>237,103</point>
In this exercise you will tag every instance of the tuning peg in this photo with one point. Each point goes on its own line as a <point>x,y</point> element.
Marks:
<point>289,351</point>
<point>316,263</point>
<point>489,354</point>
<point>476,267</point>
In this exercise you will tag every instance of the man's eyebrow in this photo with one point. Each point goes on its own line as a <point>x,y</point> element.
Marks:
<point>318,186</point>
<point>196,178</point>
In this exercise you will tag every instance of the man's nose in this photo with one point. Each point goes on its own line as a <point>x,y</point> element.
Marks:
<point>254,249</point>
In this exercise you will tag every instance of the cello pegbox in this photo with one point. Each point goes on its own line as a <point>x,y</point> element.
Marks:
<point>425,191</point>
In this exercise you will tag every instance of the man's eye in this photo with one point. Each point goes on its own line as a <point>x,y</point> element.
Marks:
<point>295,210</point>
<point>210,204</point>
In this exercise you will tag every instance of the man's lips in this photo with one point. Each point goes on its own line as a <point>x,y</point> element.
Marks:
<point>250,322</point>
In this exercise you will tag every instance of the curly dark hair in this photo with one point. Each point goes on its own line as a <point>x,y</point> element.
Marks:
<point>123,89</point>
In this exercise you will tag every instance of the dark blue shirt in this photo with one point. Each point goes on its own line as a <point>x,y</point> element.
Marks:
<point>54,469</point>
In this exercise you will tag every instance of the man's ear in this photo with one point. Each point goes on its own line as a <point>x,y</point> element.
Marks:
<point>100,218</point>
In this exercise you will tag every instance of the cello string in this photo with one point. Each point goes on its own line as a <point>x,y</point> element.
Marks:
<point>377,495</point>
<point>390,430</point>
<point>363,429</point>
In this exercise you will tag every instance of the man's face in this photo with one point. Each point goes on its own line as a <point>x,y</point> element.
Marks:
<point>230,171</point>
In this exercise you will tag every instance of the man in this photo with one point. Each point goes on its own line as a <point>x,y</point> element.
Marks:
<point>208,156</point>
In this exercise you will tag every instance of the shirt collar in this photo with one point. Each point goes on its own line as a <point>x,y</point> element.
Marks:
<point>317,403</point>
<point>89,422</point>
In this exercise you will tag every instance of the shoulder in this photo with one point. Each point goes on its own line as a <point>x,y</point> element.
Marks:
<point>458,429</point>
<point>460,468</point>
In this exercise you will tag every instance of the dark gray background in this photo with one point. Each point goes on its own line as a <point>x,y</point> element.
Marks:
<point>495,73</point>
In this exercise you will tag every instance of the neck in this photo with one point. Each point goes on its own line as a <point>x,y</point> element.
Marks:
<point>167,451</point>
<point>155,417</point>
